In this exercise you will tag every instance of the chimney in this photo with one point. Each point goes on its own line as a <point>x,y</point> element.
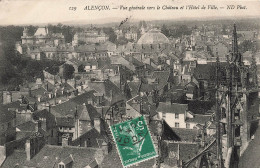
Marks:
<point>105,148</point>
<point>97,125</point>
<point>28,149</point>
<point>39,98</point>
<point>66,139</point>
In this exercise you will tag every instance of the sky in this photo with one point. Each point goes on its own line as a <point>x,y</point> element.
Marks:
<point>57,11</point>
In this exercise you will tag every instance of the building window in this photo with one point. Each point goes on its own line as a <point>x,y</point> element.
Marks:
<point>9,125</point>
<point>176,116</point>
<point>187,125</point>
<point>61,166</point>
<point>163,115</point>
<point>177,125</point>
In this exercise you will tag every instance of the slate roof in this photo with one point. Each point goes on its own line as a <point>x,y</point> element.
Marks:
<point>95,138</point>
<point>162,77</point>
<point>50,119</point>
<point>84,116</point>
<point>186,152</point>
<point>91,48</point>
<point>199,119</point>
<point>51,156</point>
<point>27,127</point>
<point>147,108</point>
<point>134,87</point>
<point>186,134</point>
<point>107,88</point>
<point>204,71</point>
<point>65,122</point>
<point>167,134</point>
<point>147,87</point>
<point>199,107</point>
<point>172,108</point>
<point>16,159</point>
<point>68,108</point>
<point>5,115</point>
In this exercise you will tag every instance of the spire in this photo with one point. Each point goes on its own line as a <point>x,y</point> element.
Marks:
<point>236,56</point>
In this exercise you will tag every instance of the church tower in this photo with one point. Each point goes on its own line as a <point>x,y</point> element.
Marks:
<point>237,104</point>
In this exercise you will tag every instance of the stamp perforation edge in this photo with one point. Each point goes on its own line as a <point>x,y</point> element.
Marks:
<point>140,161</point>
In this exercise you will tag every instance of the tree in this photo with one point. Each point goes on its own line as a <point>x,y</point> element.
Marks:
<point>68,71</point>
<point>122,41</point>
<point>165,30</point>
<point>111,33</point>
<point>247,45</point>
<point>81,68</point>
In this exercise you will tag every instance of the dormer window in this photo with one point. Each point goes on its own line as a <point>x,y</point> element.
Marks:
<point>61,165</point>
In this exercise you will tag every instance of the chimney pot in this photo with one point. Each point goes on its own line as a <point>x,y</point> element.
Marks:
<point>28,149</point>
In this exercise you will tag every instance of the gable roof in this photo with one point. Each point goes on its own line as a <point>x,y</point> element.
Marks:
<point>147,108</point>
<point>51,156</point>
<point>68,108</point>
<point>175,108</point>
<point>162,77</point>
<point>95,138</point>
<point>84,116</point>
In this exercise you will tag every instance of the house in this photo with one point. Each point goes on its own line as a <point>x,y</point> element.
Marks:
<point>174,114</point>
<point>139,105</point>
<point>178,116</point>
<point>8,121</point>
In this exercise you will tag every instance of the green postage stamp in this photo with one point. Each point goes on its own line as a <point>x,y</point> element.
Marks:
<point>133,140</point>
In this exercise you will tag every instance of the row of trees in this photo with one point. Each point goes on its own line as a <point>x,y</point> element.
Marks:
<point>175,32</point>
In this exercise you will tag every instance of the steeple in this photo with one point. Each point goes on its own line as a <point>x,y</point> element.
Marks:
<point>236,56</point>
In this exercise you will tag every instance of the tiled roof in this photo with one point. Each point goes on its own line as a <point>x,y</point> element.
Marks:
<point>172,108</point>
